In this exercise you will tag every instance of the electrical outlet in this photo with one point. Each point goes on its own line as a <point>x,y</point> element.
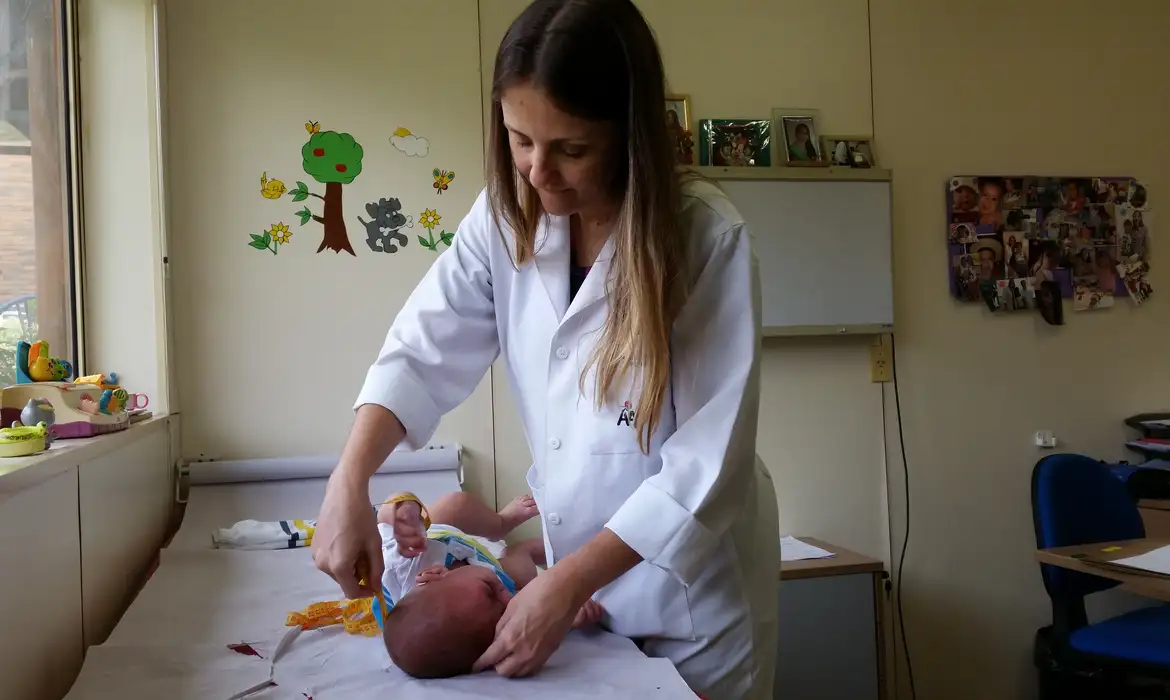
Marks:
<point>881,368</point>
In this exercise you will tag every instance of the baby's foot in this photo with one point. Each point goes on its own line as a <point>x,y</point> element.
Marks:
<point>519,511</point>
<point>408,529</point>
<point>589,614</point>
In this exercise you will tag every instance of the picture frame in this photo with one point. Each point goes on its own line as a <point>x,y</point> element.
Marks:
<point>735,143</point>
<point>678,122</point>
<point>798,131</point>
<point>857,151</point>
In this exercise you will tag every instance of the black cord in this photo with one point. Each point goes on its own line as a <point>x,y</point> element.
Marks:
<point>906,536</point>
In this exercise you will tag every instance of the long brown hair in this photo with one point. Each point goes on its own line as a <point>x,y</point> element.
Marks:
<point>598,60</point>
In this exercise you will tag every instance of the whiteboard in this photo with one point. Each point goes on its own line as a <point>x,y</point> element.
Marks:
<point>825,253</point>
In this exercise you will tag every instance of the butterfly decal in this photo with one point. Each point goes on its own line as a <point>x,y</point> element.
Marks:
<point>442,179</point>
<point>312,127</point>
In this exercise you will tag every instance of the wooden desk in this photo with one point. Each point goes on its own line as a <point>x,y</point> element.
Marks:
<point>1080,558</point>
<point>832,638</point>
<point>843,564</point>
<point>1156,516</point>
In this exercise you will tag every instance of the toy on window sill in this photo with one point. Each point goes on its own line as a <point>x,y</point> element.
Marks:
<point>22,441</point>
<point>38,412</point>
<point>114,398</point>
<point>82,408</point>
<point>34,364</point>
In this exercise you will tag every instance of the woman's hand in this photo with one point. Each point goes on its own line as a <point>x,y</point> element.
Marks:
<point>533,625</point>
<point>346,544</point>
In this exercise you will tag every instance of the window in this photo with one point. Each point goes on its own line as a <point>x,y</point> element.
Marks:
<point>37,179</point>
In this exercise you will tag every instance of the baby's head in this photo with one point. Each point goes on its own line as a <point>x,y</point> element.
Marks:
<point>439,629</point>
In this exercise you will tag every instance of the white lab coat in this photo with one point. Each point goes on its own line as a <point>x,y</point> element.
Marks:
<point>699,509</point>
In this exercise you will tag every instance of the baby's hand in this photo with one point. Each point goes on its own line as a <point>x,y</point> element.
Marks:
<point>408,529</point>
<point>589,614</point>
<point>431,573</point>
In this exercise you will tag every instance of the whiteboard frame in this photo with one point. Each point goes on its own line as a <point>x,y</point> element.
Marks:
<point>820,174</point>
<point>827,330</point>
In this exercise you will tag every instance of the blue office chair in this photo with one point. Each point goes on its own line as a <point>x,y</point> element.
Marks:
<point>1076,500</point>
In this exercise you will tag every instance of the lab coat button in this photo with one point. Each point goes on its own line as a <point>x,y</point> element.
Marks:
<point>554,519</point>
<point>562,352</point>
<point>554,443</point>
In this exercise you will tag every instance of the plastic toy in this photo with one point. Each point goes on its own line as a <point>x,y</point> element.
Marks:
<point>37,412</point>
<point>81,409</point>
<point>34,364</point>
<point>23,440</point>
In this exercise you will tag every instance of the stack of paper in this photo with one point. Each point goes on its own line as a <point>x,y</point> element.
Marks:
<point>792,549</point>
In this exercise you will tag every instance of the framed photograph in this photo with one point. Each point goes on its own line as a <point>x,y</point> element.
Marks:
<point>849,151</point>
<point>678,121</point>
<point>735,142</point>
<point>801,140</point>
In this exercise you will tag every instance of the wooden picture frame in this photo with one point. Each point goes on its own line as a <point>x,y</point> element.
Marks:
<point>829,142</point>
<point>678,120</point>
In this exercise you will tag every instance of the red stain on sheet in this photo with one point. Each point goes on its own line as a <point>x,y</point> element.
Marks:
<point>245,649</point>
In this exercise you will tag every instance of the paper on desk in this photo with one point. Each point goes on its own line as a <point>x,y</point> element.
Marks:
<point>792,549</point>
<point>1155,561</point>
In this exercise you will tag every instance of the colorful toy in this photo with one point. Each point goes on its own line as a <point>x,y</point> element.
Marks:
<point>77,407</point>
<point>22,441</point>
<point>34,364</point>
<point>91,405</point>
<point>38,412</point>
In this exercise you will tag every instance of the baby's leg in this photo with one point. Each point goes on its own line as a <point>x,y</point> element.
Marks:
<point>471,515</point>
<point>520,561</point>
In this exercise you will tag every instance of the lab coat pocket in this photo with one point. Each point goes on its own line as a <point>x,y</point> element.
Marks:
<point>647,602</point>
<point>610,428</point>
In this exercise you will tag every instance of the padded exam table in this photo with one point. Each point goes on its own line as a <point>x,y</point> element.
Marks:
<point>176,639</point>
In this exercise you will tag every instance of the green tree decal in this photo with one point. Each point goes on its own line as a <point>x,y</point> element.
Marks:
<point>334,160</point>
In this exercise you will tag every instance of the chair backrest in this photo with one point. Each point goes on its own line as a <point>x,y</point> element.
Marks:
<point>1077,500</point>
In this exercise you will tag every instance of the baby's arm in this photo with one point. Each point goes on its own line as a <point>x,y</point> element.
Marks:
<point>406,517</point>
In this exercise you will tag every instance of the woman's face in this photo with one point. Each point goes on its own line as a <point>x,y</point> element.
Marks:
<point>568,160</point>
<point>801,133</point>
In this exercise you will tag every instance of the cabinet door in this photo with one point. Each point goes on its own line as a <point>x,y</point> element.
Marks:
<point>828,639</point>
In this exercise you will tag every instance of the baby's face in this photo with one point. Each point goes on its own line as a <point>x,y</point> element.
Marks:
<point>473,591</point>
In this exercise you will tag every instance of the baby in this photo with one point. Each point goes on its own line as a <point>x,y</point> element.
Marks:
<point>448,579</point>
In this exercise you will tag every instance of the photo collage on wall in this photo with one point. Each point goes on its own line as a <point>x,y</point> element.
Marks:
<point>1024,243</point>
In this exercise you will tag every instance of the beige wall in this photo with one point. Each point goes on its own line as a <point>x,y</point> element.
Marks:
<point>272,350</point>
<point>1039,87</point>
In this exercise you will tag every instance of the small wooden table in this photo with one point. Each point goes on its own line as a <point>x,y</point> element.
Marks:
<point>832,637</point>
<point>843,563</point>
<point>1085,558</point>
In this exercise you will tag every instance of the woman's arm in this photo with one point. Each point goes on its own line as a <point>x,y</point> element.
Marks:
<point>376,432</point>
<point>436,352</point>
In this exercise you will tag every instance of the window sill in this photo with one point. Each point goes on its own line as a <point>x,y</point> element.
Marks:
<point>20,473</point>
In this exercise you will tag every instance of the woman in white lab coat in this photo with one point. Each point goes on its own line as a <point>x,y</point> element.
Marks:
<point>624,299</point>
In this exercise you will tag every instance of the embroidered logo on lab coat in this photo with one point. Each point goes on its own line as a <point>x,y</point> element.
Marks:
<point>627,415</point>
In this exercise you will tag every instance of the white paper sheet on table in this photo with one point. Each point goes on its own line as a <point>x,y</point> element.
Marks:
<point>792,549</point>
<point>330,664</point>
<point>1155,561</point>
